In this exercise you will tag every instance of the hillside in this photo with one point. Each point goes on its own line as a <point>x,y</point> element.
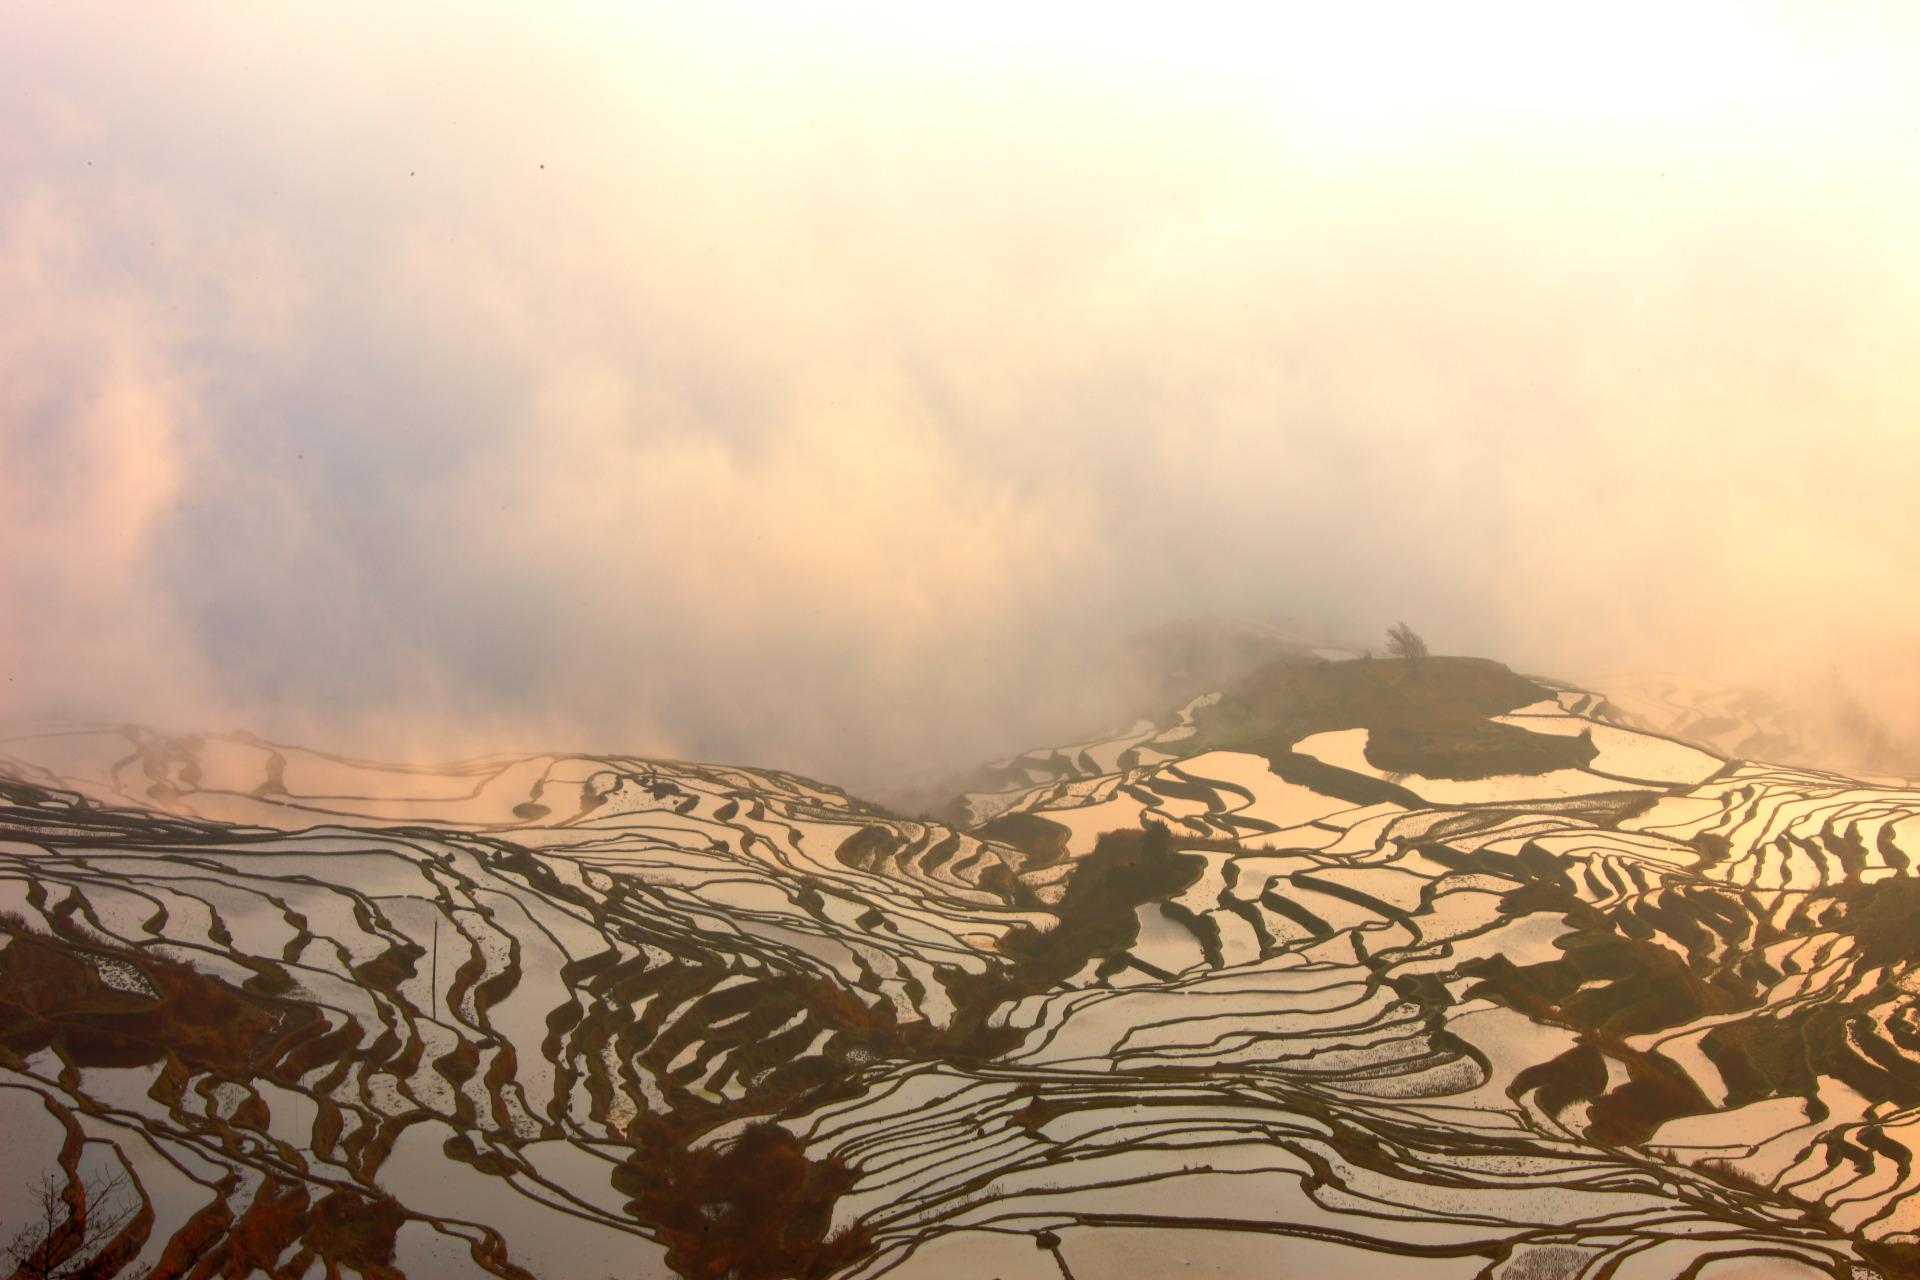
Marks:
<point>1337,967</point>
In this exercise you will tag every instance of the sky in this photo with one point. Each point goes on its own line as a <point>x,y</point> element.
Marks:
<point>830,386</point>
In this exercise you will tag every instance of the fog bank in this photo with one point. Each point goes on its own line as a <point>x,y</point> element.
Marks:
<point>823,394</point>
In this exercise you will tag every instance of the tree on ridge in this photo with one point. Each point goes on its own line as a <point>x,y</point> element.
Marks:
<point>1404,642</point>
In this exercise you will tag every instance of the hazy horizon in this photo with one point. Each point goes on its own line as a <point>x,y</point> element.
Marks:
<point>822,393</point>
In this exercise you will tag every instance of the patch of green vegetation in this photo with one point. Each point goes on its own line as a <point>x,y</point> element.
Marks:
<point>1431,719</point>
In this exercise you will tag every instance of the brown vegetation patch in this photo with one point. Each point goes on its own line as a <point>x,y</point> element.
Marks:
<point>755,1208</point>
<point>356,1229</point>
<point>1433,720</point>
<point>1043,841</point>
<point>1126,870</point>
<point>51,996</point>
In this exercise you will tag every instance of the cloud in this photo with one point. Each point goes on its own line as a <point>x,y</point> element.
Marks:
<point>91,463</point>
<point>828,396</point>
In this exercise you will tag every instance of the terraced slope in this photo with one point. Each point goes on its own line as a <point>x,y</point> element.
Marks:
<point>1343,968</point>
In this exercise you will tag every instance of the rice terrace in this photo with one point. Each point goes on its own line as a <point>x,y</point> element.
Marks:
<point>1414,965</point>
<point>875,640</point>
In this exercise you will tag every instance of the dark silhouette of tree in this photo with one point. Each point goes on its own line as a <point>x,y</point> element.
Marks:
<point>65,1231</point>
<point>1404,642</point>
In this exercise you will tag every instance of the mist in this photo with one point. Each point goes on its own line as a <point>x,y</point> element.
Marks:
<point>835,395</point>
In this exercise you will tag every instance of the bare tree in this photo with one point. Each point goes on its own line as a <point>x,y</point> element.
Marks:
<point>64,1232</point>
<point>1404,642</point>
